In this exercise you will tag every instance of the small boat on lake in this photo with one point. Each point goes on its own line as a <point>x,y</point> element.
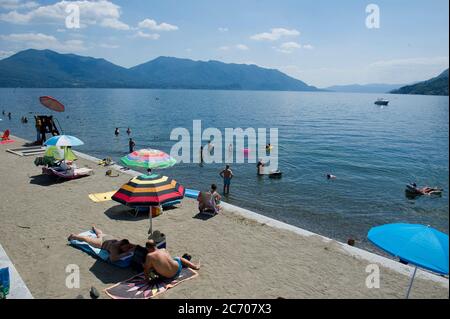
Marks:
<point>382,102</point>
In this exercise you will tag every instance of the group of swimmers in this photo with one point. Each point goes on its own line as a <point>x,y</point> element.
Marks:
<point>9,114</point>
<point>117,131</point>
<point>157,260</point>
<point>131,142</point>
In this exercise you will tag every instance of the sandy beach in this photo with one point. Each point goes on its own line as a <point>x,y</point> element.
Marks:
<point>240,258</point>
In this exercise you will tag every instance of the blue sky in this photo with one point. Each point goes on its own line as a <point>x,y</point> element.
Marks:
<point>321,42</point>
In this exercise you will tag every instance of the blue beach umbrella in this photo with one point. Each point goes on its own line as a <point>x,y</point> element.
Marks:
<point>63,140</point>
<point>422,246</point>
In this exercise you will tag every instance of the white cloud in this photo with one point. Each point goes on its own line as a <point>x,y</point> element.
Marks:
<point>241,47</point>
<point>154,26</point>
<point>5,54</point>
<point>151,36</point>
<point>108,46</point>
<point>223,29</point>
<point>114,24</point>
<point>43,41</point>
<point>17,4</point>
<point>275,34</point>
<point>101,12</point>
<point>288,47</point>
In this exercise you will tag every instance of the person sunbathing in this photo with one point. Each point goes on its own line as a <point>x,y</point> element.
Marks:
<point>160,261</point>
<point>117,248</point>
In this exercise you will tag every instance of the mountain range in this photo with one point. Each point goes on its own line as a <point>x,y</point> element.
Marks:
<point>364,88</point>
<point>435,86</point>
<point>46,68</point>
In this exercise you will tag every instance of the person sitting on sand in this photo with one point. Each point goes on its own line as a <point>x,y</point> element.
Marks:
<point>117,248</point>
<point>209,201</point>
<point>160,261</point>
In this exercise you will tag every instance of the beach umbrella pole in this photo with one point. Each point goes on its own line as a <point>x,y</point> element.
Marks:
<point>411,282</point>
<point>150,231</point>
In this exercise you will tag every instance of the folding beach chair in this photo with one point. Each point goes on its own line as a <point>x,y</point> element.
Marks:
<point>5,136</point>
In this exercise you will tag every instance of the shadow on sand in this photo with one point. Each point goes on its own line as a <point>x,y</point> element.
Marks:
<point>110,274</point>
<point>45,180</point>
<point>203,216</point>
<point>121,212</point>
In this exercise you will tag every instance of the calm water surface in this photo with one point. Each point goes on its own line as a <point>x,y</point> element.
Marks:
<point>374,151</point>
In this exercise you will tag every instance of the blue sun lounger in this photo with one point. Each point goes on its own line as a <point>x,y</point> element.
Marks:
<point>191,193</point>
<point>100,253</point>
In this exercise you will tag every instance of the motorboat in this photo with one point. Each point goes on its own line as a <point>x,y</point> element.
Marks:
<point>382,102</point>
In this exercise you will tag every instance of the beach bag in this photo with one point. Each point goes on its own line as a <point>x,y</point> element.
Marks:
<point>156,211</point>
<point>138,259</point>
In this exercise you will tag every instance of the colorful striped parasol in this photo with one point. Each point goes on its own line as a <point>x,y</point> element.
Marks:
<point>149,190</point>
<point>149,158</point>
<point>52,103</point>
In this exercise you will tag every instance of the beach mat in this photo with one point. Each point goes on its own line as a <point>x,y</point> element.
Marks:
<point>99,253</point>
<point>6,142</point>
<point>101,197</point>
<point>139,288</point>
<point>27,151</point>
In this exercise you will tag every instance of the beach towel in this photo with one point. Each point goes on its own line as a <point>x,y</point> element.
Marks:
<point>191,193</point>
<point>139,288</point>
<point>101,197</point>
<point>99,253</point>
<point>6,142</point>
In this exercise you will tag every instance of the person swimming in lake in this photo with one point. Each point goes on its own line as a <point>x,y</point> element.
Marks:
<point>331,176</point>
<point>426,190</point>
<point>260,168</point>
<point>201,155</point>
<point>116,131</point>
<point>131,145</point>
<point>210,147</point>
<point>117,248</point>
<point>227,175</point>
<point>128,131</point>
<point>161,262</point>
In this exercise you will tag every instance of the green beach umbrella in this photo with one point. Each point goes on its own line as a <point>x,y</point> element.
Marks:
<point>60,153</point>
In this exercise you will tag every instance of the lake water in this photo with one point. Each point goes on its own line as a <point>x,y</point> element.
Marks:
<point>374,151</point>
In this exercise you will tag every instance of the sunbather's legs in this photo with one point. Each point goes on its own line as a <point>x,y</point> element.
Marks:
<point>95,242</point>
<point>187,263</point>
<point>97,232</point>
